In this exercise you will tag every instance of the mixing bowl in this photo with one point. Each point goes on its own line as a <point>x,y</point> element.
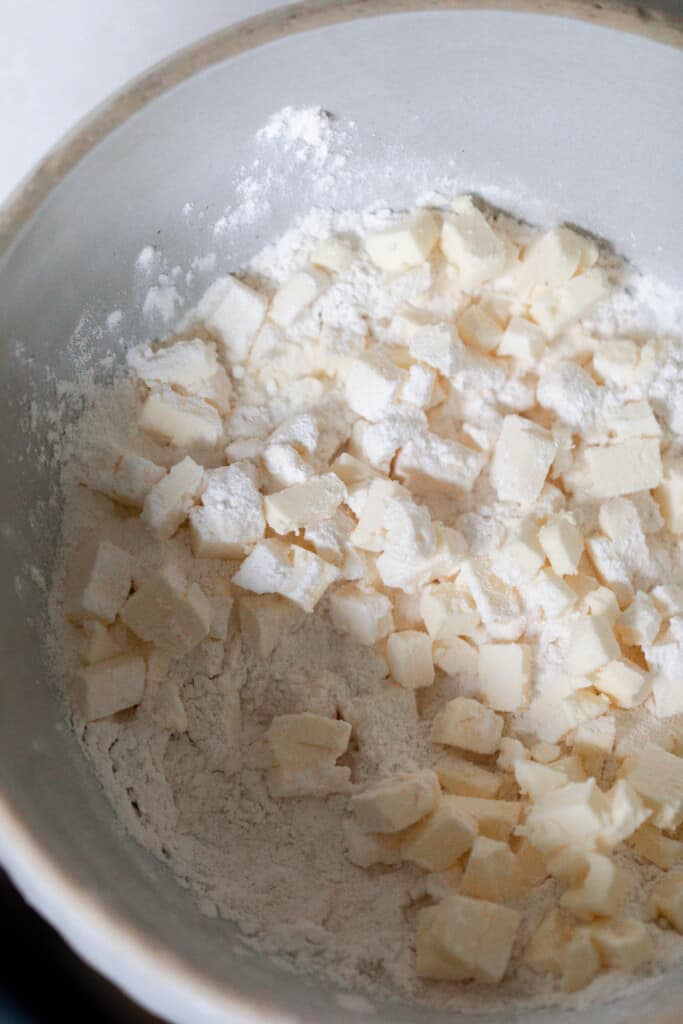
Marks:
<point>565,110</point>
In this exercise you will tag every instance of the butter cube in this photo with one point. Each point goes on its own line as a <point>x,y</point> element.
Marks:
<point>593,645</point>
<point>624,683</point>
<point>669,495</point>
<point>530,867</point>
<point>668,599</point>
<point>296,295</point>
<point>666,899</point>
<point>511,751</point>
<point>369,533</point>
<point>583,705</point>
<point>285,781</point>
<point>580,961</point>
<point>464,778</point>
<point>562,542</point>
<point>447,611</point>
<point>556,310</point>
<point>98,643</point>
<point>333,254</point>
<point>188,365</point>
<point>264,620</point>
<point>128,479</point>
<point>109,686</point>
<point>522,457</point>
<point>624,468</point>
<point>601,893</point>
<point>371,385</point>
<point>367,848</point>
<point>469,725</point>
<point>456,656</point>
<point>307,740</point>
<point>550,595</point>
<point>575,814</point>
<point>469,243</point>
<point>504,675</point>
<point>395,803</point>
<point>616,362</point>
<point>438,841</point>
<point>523,341</point>
<point>496,819</point>
<point>479,330</point>
<point>657,776</point>
<point>494,601</point>
<point>640,623</point>
<point>462,939</point>
<point>624,945</point>
<point>366,616</point>
<point>438,345</point>
<point>595,737</point>
<point>230,519</point>
<point>235,315</point>
<point>409,654</point>
<point>544,753</point>
<point>649,843</point>
<point>180,420</point>
<point>627,812</point>
<point>101,583</point>
<point>521,557</point>
<point>409,534</point>
<point>536,780</point>
<point>405,244</point>
<point>491,872</point>
<point>285,465</point>
<point>633,419</point>
<point>602,602</point>
<point>274,567</point>
<point>428,463</point>
<point>304,504</point>
<point>546,946</point>
<point>419,387</point>
<point>168,503</point>
<point>168,613</point>
<point>553,259</point>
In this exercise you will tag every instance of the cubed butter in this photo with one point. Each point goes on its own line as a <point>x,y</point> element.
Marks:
<point>365,615</point>
<point>397,802</point>
<point>109,686</point>
<point>471,245</point>
<point>304,504</point>
<point>464,778</point>
<point>522,457</point>
<point>229,520</point>
<point>491,872</point>
<point>101,583</point>
<point>467,724</point>
<point>404,244</point>
<point>180,420</point>
<point>273,567</point>
<point>440,839</point>
<point>462,939</point>
<point>170,613</point>
<point>504,673</point>
<point>409,654</point>
<point>168,503</point>
<point>562,542</point>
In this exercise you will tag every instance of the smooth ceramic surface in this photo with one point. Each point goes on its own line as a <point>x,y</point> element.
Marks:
<point>585,119</point>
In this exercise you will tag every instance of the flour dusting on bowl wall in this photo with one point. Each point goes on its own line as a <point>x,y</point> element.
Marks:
<point>368,592</point>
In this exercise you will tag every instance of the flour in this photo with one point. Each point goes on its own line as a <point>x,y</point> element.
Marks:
<point>186,771</point>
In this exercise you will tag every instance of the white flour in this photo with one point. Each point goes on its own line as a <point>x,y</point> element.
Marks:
<point>185,795</point>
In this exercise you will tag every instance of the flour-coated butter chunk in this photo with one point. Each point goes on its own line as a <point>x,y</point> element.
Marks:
<point>331,538</point>
<point>626,813</point>
<point>285,781</point>
<point>669,495</point>
<point>522,341</point>
<point>365,615</point>
<point>109,686</point>
<point>593,645</point>
<point>496,819</point>
<point>511,751</point>
<point>521,557</point>
<point>98,643</point>
<point>595,737</point>
<point>405,244</point>
<point>624,683</point>
<point>169,613</point>
<point>304,504</point>
<point>285,465</point>
<point>649,843</point>
<point>575,814</point>
<point>169,502</point>
<point>536,780</point>
<point>438,345</point>
<point>624,945</point>
<point>101,583</point>
<point>657,776</point>
<point>333,254</point>
<point>624,468</point>
<point>302,740</point>
<point>441,838</point>
<point>408,531</point>
<point>419,387</point>
<point>467,724</point>
<point>668,598</point>
<point>666,899</point>
<point>444,563</point>
<point>550,595</point>
<point>491,872</point>
<point>369,533</point>
<point>371,384</point>
<point>562,542</point>
<point>273,567</point>
<point>601,893</point>
<point>128,479</point>
<point>432,463</point>
<point>494,601</point>
<point>367,848</point>
<point>602,603</point>
<point>667,694</point>
<point>557,309</point>
<point>230,518</point>
<point>580,961</point>
<point>523,455</point>
<point>583,705</point>
<point>397,802</point>
<point>463,939</point>
<point>264,620</point>
<point>180,420</point>
<point>553,259</point>
<point>456,657</point>
<point>504,675</point>
<point>409,654</point>
<point>479,330</point>
<point>447,611</point>
<point>639,623</point>
<point>296,294</point>
<point>616,361</point>
<point>544,950</point>
<point>470,243</point>
<point>189,365</point>
<point>633,419</point>
<point>464,778</point>
<point>234,312</point>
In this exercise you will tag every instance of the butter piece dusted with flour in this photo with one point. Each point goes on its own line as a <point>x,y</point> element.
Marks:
<point>170,613</point>
<point>230,519</point>
<point>469,725</point>
<point>273,567</point>
<point>522,457</point>
<point>405,244</point>
<point>236,313</point>
<point>169,502</point>
<point>464,939</point>
<point>469,242</point>
<point>109,686</point>
<point>180,420</point>
<point>395,803</point>
<point>101,584</point>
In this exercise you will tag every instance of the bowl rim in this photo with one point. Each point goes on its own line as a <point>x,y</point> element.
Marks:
<point>99,935</point>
